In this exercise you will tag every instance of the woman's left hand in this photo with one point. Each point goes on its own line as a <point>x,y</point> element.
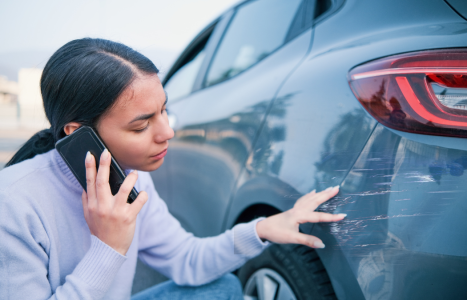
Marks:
<point>283,227</point>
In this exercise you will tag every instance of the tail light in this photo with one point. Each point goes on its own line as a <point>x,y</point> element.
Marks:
<point>420,92</point>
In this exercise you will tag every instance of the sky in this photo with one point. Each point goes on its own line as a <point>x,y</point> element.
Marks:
<point>32,30</point>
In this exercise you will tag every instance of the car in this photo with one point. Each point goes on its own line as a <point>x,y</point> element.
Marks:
<point>276,98</point>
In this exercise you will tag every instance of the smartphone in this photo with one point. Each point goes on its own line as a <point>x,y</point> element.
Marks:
<point>73,149</point>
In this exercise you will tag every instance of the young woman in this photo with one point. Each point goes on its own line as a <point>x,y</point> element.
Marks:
<point>59,242</point>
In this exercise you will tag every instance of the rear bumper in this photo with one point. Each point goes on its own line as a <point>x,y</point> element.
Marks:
<point>405,233</point>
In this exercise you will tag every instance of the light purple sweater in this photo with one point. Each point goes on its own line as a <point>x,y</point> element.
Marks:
<point>48,252</point>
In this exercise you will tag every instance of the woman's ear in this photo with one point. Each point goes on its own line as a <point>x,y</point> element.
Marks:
<point>71,127</point>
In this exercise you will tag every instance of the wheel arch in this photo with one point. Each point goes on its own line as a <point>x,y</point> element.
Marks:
<point>260,196</point>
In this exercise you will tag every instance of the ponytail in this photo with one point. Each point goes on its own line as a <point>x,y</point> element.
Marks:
<point>41,142</point>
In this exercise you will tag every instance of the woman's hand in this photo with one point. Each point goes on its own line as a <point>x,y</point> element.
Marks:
<point>283,228</point>
<point>110,218</point>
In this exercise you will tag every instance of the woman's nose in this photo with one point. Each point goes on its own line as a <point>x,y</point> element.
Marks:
<point>163,132</point>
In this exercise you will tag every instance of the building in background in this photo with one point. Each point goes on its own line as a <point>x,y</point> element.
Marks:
<point>21,102</point>
<point>31,109</point>
<point>9,91</point>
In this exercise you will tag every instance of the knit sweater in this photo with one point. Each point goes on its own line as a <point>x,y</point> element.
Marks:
<point>48,252</point>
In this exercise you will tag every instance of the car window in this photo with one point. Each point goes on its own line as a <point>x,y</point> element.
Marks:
<point>303,19</point>
<point>323,6</point>
<point>257,29</point>
<point>181,82</point>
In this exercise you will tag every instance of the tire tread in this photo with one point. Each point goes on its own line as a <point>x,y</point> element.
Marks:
<point>299,265</point>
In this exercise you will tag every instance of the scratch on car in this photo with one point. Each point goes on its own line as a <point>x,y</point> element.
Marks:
<point>371,193</point>
<point>366,245</point>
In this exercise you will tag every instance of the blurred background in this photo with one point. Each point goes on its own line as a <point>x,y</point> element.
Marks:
<point>31,31</point>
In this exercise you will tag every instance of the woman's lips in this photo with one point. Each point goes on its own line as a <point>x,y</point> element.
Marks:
<point>160,155</point>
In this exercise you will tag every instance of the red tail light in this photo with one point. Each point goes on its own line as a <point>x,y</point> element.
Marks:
<point>422,92</point>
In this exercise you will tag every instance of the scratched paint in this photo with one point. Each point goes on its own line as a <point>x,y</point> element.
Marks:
<point>406,220</point>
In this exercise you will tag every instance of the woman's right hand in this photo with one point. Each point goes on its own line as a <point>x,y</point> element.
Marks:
<point>110,218</point>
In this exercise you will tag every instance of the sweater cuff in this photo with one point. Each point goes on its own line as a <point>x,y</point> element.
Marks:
<point>99,266</point>
<point>246,239</point>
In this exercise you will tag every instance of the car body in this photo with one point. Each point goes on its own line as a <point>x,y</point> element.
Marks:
<point>252,139</point>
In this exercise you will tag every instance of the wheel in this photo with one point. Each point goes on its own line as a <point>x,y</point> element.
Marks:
<point>286,272</point>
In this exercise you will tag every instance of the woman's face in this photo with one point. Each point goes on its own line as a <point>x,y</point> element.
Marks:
<point>136,129</point>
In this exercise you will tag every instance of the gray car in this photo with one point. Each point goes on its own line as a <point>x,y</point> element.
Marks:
<point>276,98</point>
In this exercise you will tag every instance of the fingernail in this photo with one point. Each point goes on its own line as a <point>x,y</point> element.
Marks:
<point>135,172</point>
<point>337,187</point>
<point>318,244</point>
<point>88,157</point>
<point>342,215</point>
<point>105,154</point>
<point>313,191</point>
<point>329,188</point>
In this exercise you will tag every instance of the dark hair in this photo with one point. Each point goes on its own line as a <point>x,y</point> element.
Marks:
<point>80,82</point>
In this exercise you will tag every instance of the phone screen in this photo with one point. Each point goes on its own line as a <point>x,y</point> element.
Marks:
<point>73,150</point>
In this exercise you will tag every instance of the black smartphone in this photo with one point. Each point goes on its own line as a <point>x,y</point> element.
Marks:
<point>73,149</point>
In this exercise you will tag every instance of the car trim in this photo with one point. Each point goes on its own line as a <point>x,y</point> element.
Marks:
<point>415,70</point>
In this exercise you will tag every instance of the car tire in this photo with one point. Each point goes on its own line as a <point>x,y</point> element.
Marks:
<point>284,272</point>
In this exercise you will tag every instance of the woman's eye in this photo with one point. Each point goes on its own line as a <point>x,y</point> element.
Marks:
<point>142,129</point>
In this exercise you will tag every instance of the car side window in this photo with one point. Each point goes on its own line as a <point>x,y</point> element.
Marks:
<point>257,29</point>
<point>180,83</point>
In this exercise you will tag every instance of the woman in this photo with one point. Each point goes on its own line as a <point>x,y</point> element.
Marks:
<point>59,242</point>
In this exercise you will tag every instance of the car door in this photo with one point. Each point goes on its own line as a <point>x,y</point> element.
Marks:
<point>241,67</point>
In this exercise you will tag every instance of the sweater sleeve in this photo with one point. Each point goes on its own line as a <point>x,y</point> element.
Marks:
<point>188,260</point>
<point>24,259</point>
